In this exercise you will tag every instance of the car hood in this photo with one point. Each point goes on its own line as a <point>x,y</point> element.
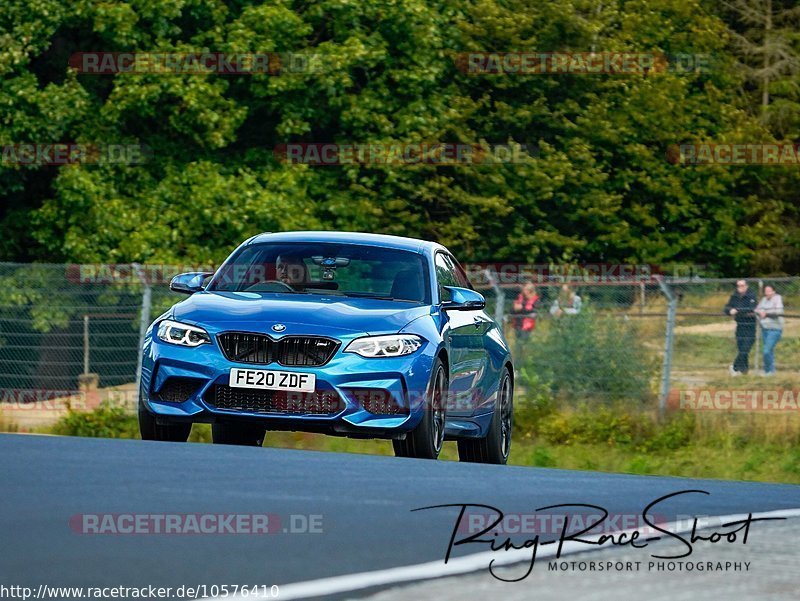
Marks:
<point>300,314</point>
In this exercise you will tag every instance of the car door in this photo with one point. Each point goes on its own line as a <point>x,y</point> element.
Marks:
<point>479,354</point>
<point>465,338</point>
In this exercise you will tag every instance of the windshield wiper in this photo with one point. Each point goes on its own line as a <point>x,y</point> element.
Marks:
<point>370,295</point>
<point>380,297</point>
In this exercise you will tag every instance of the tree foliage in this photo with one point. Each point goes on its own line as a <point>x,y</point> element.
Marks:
<point>597,186</point>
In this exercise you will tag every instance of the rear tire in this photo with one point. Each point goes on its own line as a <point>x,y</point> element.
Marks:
<point>426,440</point>
<point>496,445</point>
<point>247,435</point>
<point>150,429</point>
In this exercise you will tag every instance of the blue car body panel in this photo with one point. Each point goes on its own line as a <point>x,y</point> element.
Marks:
<point>471,341</point>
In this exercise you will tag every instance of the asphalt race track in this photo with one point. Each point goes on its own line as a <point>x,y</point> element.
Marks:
<point>365,505</point>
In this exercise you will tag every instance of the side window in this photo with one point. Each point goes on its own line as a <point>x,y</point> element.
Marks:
<point>461,276</point>
<point>445,274</point>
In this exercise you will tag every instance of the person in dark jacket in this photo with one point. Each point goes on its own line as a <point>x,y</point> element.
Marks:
<point>741,306</point>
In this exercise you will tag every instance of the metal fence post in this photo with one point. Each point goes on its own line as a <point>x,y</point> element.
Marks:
<point>642,298</point>
<point>144,319</point>
<point>500,295</point>
<point>757,358</point>
<point>666,370</point>
<point>85,344</point>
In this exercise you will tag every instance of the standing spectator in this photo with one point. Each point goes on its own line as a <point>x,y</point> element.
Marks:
<point>741,306</point>
<point>526,305</point>
<point>770,315</point>
<point>567,302</point>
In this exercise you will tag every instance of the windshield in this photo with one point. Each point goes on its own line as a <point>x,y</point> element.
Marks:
<point>326,268</point>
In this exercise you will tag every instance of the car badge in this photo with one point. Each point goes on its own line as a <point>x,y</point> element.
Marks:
<point>278,327</point>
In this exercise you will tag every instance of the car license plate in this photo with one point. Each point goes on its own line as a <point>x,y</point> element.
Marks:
<point>272,380</point>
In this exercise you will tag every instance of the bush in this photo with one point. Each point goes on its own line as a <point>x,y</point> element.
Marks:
<point>589,357</point>
<point>542,458</point>
<point>616,425</point>
<point>200,433</point>
<point>6,425</point>
<point>107,421</point>
<point>532,405</point>
<point>678,431</point>
<point>111,420</point>
<point>593,426</point>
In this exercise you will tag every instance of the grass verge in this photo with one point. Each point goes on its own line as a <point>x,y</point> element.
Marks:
<point>758,447</point>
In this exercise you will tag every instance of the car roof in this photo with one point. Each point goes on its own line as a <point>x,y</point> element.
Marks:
<point>382,240</point>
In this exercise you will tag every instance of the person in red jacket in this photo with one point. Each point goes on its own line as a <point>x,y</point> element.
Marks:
<point>526,306</point>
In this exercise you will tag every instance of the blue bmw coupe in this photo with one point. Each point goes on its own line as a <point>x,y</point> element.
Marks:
<point>349,334</point>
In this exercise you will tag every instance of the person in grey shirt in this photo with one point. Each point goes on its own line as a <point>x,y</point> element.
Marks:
<point>567,302</point>
<point>770,316</point>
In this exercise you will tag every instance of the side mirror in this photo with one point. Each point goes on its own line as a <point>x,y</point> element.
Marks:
<point>463,299</point>
<point>189,283</point>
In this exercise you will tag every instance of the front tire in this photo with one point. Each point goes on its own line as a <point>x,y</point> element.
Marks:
<point>150,429</point>
<point>496,445</point>
<point>426,440</point>
<point>247,435</point>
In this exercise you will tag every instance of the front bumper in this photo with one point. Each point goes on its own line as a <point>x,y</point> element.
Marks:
<point>346,375</point>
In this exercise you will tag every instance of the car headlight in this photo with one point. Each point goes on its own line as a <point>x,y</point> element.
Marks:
<point>182,334</point>
<point>393,345</point>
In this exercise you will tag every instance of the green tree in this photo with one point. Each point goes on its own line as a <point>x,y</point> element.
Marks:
<point>597,186</point>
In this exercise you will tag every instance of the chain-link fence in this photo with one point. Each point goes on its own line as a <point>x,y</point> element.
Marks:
<point>64,328</point>
<point>707,342</point>
<point>581,341</point>
<point>645,339</point>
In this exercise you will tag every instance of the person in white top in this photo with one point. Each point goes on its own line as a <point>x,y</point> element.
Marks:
<point>567,302</point>
<point>770,316</point>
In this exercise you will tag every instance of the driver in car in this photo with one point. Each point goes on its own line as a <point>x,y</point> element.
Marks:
<point>291,270</point>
